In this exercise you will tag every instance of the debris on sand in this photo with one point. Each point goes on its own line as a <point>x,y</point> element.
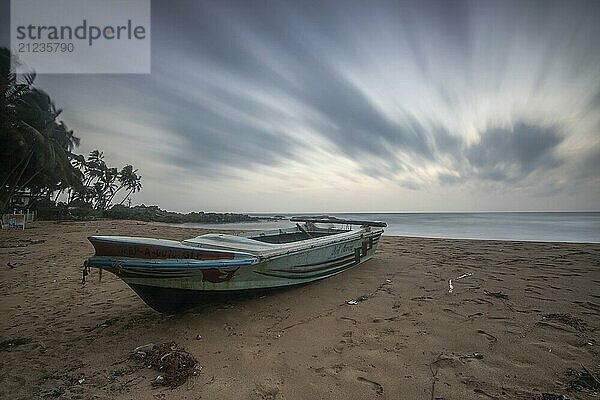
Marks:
<point>549,396</point>
<point>567,319</point>
<point>174,363</point>
<point>498,295</point>
<point>451,287</point>
<point>20,243</point>
<point>354,302</point>
<point>142,351</point>
<point>583,379</point>
<point>7,345</point>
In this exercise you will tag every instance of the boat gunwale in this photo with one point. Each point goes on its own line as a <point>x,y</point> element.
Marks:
<point>242,262</point>
<point>138,240</point>
<point>299,250</point>
<point>172,263</point>
<point>284,249</point>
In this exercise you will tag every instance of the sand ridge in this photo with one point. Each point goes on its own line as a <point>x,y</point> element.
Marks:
<point>498,335</point>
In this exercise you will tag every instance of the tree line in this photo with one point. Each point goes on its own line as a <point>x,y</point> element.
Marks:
<point>37,155</point>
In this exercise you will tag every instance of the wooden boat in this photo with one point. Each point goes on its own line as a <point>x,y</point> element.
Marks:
<point>170,275</point>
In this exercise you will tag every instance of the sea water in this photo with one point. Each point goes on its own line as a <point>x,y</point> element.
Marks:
<point>528,226</point>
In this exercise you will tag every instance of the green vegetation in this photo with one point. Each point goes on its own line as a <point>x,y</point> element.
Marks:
<point>155,214</point>
<point>102,183</point>
<point>37,161</point>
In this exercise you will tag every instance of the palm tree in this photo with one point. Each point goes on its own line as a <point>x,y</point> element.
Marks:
<point>34,147</point>
<point>79,163</point>
<point>47,167</point>
<point>130,180</point>
<point>102,183</point>
<point>109,187</point>
<point>36,150</point>
<point>93,171</point>
<point>95,166</point>
<point>52,150</point>
<point>14,151</point>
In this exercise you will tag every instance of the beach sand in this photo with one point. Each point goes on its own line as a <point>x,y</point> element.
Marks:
<point>408,337</point>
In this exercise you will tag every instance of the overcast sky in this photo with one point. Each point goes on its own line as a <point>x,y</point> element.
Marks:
<point>284,106</point>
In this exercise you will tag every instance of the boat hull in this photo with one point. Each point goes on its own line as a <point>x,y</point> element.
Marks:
<point>169,300</point>
<point>170,284</point>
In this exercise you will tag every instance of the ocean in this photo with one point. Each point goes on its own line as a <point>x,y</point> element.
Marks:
<point>581,227</point>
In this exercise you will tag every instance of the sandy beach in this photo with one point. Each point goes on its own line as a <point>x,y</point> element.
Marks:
<point>521,323</point>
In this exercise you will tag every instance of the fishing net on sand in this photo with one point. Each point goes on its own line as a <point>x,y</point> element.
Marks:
<point>176,364</point>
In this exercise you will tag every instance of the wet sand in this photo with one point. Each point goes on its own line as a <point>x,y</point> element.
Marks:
<point>407,337</point>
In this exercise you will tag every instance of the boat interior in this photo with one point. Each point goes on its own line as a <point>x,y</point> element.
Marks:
<point>275,240</point>
<point>297,234</point>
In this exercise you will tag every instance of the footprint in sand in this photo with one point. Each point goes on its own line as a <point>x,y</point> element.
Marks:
<point>377,387</point>
<point>491,338</point>
<point>265,391</point>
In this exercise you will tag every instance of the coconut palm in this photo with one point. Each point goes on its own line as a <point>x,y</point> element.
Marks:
<point>130,180</point>
<point>103,183</point>
<point>14,151</point>
<point>35,147</point>
<point>48,167</point>
<point>36,150</point>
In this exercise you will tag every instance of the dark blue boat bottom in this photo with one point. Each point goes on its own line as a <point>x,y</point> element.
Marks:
<point>171,300</point>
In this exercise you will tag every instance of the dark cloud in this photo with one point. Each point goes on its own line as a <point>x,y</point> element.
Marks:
<point>445,142</point>
<point>512,154</point>
<point>502,155</point>
<point>355,125</point>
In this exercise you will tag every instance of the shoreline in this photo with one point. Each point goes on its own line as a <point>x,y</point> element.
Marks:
<point>409,337</point>
<point>212,227</point>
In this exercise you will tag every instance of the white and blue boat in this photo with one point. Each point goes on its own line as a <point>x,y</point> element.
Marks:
<point>171,275</point>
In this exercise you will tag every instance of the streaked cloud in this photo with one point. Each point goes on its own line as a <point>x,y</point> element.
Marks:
<point>257,105</point>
